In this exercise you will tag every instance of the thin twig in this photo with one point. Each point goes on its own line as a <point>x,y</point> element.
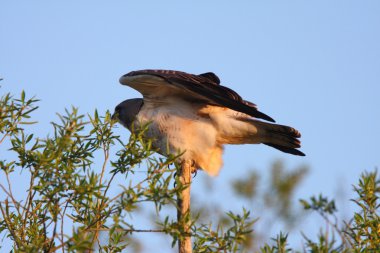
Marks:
<point>106,156</point>
<point>28,204</point>
<point>4,136</point>
<point>105,229</point>
<point>53,236</point>
<point>15,203</point>
<point>62,221</point>
<point>101,203</point>
<point>9,225</point>
<point>132,230</point>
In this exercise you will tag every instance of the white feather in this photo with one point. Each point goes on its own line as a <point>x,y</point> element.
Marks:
<point>182,130</point>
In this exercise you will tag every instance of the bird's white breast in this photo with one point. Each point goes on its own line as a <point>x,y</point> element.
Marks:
<point>179,129</point>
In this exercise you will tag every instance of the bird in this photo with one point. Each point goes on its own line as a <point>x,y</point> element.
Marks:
<point>194,116</point>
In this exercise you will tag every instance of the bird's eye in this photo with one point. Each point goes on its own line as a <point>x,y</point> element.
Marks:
<point>117,109</point>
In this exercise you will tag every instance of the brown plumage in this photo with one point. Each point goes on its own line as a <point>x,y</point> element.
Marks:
<point>196,115</point>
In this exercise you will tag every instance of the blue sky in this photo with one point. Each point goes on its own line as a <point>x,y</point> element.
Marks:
<point>314,65</point>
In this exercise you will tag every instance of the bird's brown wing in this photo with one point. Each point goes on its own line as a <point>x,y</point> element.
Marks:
<point>205,88</point>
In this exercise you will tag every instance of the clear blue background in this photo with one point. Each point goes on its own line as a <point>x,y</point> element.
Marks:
<point>314,65</point>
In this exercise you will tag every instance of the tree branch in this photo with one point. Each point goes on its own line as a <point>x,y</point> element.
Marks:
<point>183,211</point>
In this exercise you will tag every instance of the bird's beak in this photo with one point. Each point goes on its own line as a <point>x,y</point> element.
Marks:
<point>115,116</point>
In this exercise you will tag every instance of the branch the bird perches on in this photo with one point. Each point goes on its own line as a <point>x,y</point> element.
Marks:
<point>183,202</point>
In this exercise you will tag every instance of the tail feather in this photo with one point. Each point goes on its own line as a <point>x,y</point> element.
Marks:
<point>283,138</point>
<point>292,151</point>
<point>238,128</point>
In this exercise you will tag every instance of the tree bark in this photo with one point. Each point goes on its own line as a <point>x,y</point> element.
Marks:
<point>183,212</point>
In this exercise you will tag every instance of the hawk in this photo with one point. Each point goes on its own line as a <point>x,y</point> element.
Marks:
<point>194,115</point>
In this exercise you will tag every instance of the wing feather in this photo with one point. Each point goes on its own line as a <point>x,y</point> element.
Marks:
<point>204,88</point>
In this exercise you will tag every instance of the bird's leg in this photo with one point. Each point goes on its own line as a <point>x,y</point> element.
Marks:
<point>194,168</point>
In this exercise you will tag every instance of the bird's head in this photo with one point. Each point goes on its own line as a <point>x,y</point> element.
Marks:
<point>126,111</point>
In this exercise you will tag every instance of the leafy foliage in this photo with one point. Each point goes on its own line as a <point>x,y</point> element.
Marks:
<point>362,232</point>
<point>71,172</point>
<point>67,188</point>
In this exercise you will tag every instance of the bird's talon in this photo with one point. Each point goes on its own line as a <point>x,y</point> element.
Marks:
<point>194,172</point>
